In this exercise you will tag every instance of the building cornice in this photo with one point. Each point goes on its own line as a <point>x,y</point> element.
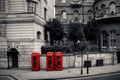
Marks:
<point>62,4</point>
<point>108,20</point>
<point>23,18</point>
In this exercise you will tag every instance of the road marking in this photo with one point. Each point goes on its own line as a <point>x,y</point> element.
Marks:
<point>10,78</point>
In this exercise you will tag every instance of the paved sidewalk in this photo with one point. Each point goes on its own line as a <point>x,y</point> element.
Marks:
<point>26,74</point>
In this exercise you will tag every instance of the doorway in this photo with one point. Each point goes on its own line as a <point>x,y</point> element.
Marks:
<point>12,56</point>
<point>118,56</point>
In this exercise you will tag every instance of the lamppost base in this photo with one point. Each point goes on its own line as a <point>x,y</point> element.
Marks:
<point>87,70</point>
<point>81,72</point>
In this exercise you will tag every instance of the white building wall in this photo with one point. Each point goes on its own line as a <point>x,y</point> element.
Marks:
<point>50,8</point>
<point>21,6</point>
<point>38,43</point>
<point>20,30</point>
<point>3,53</point>
<point>38,28</point>
<point>17,6</point>
<point>25,50</point>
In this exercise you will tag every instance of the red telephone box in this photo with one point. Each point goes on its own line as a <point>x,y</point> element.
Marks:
<point>50,61</point>
<point>35,60</point>
<point>58,61</point>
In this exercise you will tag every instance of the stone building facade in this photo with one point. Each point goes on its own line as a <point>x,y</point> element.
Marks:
<point>104,12</point>
<point>21,29</point>
<point>72,10</point>
<point>107,14</point>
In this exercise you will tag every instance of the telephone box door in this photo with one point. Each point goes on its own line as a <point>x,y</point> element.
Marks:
<point>50,61</point>
<point>35,60</point>
<point>58,61</point>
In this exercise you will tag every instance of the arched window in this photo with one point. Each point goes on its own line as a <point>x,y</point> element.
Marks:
<point>113,38</point>
<point>76,14</point>
<point>103,10</point>
<point>112,8</point>
<point>97,12</point>
<point>104,38</point>
<point>64,15</point>
<point>90,13</point>
<point>63,1</point>
<point>38,34</point>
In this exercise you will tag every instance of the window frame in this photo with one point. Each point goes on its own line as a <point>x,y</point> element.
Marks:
<point>32,7</point>
<point>112,10</point>
<point>64,13</point>
<point>113,38</point>
<point>38,34</point>
<point>90,14</point>
<point>2,6</point>
<point>63,1</point>
<point>104,39</point>
<point>45,13</point>
<point>103,9</point>
<point>76,14</point>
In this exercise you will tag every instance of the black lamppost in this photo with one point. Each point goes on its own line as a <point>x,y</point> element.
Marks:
<point>84,45</point>
<point>83,37</point>
<point>87,64</point>
<point>81,45</point>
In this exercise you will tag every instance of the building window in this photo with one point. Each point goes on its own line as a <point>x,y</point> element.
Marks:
<point>0,34</point>
<point>45,13</point>
<point>76,14</point>
<point>46,1</point>
<point>104,37</point>
<point>2,6</point>
<point>103,10</point>
<point>90,13</point>
<point>90,0</point>
<point>32,7</point>
<point>97,12</point>
<point>75,0</point>
<point>112,8</point>
<point>38,34</point>
<point>113,38</point>
<point>63,1</point>
<point>64,15</point>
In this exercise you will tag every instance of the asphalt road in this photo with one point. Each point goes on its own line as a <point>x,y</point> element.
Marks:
<point>4,77</point>
<point>111,76</point>
<point>115,76</point>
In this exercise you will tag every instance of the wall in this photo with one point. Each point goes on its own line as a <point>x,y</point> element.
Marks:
<point>107,8</point>
<point>59,6</point>
<point>69,61</point>
<point>3,53</point>
<point>107,59</point>
<point>74,61</point>
<point>21,6</point>
<point>20,30</point>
